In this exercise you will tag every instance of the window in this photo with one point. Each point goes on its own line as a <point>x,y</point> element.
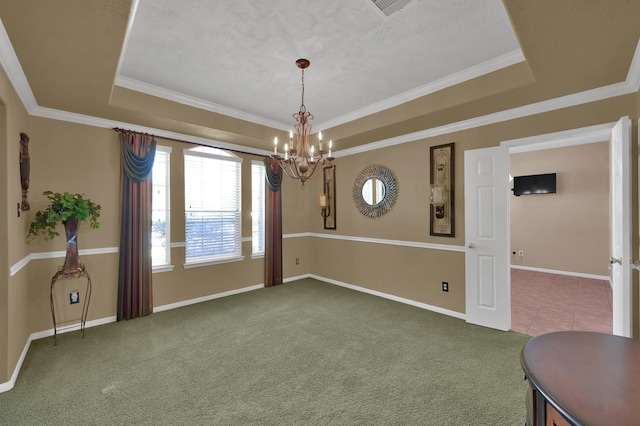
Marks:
<point>257,207</point>
<point>160,209</point>
<point>212,205</point>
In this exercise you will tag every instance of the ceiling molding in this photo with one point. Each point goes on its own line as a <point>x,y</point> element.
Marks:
<point>13,69</point>
<point>487,67</point>
<point>633,76</point>
<point>584,135</point>
<point>160,92</point>
<point>594,95</point>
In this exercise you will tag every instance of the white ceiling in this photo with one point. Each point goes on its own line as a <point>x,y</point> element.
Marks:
<point>238,57</point>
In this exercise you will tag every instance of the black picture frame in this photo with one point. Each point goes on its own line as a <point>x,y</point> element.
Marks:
<point>442,216</point>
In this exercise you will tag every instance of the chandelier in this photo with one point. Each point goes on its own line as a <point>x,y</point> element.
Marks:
<point>300,160</point>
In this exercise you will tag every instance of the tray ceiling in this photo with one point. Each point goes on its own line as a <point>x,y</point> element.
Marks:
<point>238,58</point>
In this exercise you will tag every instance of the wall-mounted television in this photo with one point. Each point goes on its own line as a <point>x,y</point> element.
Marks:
<point>534,184</point>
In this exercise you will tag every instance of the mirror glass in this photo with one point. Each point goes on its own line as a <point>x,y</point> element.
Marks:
<point>373,191</point>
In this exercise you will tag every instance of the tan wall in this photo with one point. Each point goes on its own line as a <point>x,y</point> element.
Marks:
<point>14,330</point>
<point>567,231</point>
<point>417,273</point>
<point>71,157</point>
<point>84,159</point>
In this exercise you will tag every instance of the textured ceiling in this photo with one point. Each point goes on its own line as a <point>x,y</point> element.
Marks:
<point>225,71</point>
<point>238,57</point>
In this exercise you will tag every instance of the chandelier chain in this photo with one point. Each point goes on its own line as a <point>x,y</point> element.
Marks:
<point>302,107</point>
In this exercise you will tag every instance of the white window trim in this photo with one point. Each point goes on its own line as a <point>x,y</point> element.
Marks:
<point>166,267</point>
<point>194,152</point>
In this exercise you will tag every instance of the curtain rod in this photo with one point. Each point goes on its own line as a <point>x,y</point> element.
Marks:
<point>119,130</point>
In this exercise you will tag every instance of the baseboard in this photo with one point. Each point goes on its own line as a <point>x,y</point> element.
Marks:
<point>4,387</point>
<point>206,298</point>
<point>393,297</point>
<point>571,274</point>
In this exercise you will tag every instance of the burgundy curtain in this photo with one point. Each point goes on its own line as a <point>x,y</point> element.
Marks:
<point>135,298</point>
<point>273,225</point>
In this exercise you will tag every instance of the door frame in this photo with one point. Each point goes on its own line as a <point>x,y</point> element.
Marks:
<point>579,136</point>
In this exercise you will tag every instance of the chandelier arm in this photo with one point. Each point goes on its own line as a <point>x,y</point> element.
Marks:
<point>300,161</point>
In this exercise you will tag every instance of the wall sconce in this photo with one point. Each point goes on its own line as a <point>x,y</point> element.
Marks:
<point>438,199</point>
<point>323,202</point>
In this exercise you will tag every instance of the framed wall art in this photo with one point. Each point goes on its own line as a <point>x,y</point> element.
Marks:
<point>329,209</point>
<point>441,188</point>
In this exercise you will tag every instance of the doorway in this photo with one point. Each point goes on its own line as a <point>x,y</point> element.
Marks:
<point>487,264</point>
<point>559,241</point>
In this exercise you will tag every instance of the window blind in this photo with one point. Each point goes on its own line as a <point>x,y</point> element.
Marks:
<point>257,207</point>
<point>213,216</point>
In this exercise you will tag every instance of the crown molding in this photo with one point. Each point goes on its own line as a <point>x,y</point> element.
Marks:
<point>72,117</point>
<point>584,135</point>
<point>160,92</point>
<point>633,76</point>
<point>593,95</point>
<point>487,67</point>
<point>11,65</point>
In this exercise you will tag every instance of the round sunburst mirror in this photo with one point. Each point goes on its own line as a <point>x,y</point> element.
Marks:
<point>375,191</point>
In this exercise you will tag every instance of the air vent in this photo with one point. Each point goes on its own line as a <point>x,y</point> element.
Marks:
<point>389,6</point>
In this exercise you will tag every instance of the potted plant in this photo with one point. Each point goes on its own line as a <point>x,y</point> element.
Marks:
<point>70,210</point>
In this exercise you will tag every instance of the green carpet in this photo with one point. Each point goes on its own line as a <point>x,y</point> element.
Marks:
<point>303,353</point>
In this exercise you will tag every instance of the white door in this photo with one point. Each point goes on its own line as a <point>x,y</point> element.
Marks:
<point>488,286</point>
<point>621,227</point>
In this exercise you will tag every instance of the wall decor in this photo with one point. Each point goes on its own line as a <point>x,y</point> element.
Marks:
<point>375,191</point>
<point>441,197</point>
<point>25,170</point>
<point>327,199</point>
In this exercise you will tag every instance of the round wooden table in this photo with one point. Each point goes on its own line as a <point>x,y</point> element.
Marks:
<point>588,378</point>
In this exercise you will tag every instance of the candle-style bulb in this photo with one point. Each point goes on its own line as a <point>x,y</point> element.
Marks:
<point>286,151</point>
<point>320,136</point>
<point>275,145</point>
<point>330,146</point>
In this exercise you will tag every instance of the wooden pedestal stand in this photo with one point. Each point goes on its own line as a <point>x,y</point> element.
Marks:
<point>63,274</point>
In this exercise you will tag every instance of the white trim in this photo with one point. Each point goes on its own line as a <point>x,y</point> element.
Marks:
<point>46,333</point>
<point>194,152</point>
<point>392,297</point>
<point>580,136</point>
<point>633,76</point>
<point>162,268</point>
<point>164,148</point>
<point>125,43</point>
<point>11,64</point>
<point>487,67</point>
<point>298,235</point>
<point>594,95</point>
<point>415,244</point>
<point>567,273</point>
<point>198,264</point>
<point>192,101</point>
<point>7,386</point>
<point>206,298</point>
<point>13,270</point>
